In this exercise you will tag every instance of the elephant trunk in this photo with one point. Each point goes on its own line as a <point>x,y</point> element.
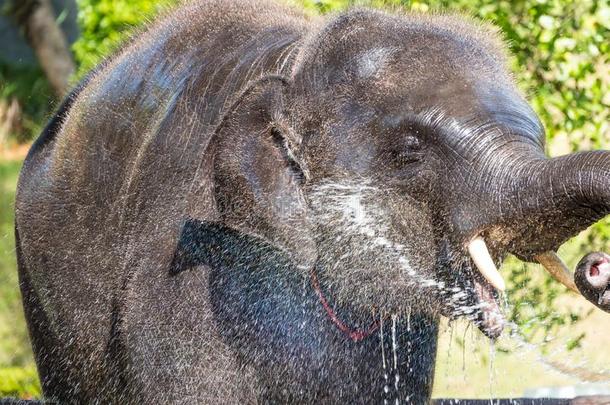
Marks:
<point>551,200</point>
<point>539,205</point>
<point>535,206</point>
<point>560,197</point>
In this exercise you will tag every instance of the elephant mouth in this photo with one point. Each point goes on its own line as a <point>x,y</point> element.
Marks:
<point>489,317</point>
<point>488,283</point>
<point>477,301</point>
<point>475,290</point>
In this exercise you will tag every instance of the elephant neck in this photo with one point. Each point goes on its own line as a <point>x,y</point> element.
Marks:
<point>272,323</point>
<point>398,351</point>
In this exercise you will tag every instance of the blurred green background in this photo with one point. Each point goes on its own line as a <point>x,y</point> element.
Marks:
<point>561,60</point>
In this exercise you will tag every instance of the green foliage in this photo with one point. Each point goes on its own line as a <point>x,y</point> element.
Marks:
<point>17,371</point>
<point>14,342</point>
<point>30,87</point>
<point>105,24</point>
<point>19,382</point>
<point>25,83</point>
<point>534,306</point>
<point>324,6</point>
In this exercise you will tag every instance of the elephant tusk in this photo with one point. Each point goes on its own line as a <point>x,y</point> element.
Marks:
<point>557,268</point>
<point>482,259</point>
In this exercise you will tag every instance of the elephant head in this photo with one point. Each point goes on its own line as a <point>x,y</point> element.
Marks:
<point>396,159</point>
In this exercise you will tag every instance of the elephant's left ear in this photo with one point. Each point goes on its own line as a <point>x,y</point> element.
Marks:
<point>257,172</point>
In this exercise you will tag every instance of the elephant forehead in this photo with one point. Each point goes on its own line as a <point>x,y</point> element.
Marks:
<point>442,70</point>
<point>387,49</point>
<point>371,62</point>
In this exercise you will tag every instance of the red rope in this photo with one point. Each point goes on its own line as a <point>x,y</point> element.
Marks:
<point>353,334</point>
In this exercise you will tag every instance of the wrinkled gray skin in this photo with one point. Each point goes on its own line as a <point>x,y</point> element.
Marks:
<point>172,213</point>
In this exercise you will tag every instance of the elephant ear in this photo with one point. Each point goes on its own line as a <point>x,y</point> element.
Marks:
<point>258,177</point>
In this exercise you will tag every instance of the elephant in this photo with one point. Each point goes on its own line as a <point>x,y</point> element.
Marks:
<point>245,204</point>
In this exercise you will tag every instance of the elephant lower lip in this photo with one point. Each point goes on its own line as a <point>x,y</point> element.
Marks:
<point>488,318</point>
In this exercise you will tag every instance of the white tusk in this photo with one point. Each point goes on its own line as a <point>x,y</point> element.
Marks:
<point>481,258</point>
<point>557,268</point>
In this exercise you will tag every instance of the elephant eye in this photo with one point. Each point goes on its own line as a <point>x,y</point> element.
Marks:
<point>403,153</point>
<point>412,143</point>
<point>402,158</point>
